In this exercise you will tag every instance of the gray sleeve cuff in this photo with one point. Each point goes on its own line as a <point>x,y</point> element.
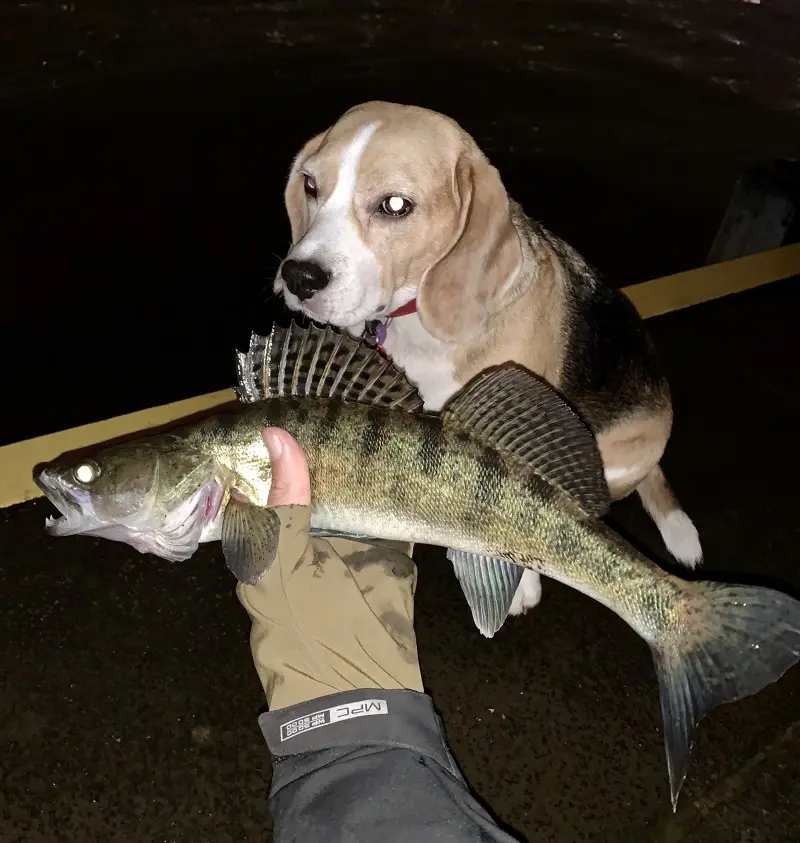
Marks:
<point>399,719</point>
<point>369,765</point>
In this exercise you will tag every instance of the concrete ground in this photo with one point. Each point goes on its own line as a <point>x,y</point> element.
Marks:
<point>146,147</point>
<point>128,704</point>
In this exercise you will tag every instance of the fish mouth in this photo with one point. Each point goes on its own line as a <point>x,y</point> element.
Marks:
<point>72,505</point>
<point>175,539</point>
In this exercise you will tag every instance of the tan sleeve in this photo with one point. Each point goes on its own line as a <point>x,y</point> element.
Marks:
<point>331,615</point>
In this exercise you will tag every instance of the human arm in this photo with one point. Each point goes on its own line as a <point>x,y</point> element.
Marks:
<point>359,753</point>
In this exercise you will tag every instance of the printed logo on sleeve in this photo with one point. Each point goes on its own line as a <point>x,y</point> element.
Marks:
<point>362,708</point>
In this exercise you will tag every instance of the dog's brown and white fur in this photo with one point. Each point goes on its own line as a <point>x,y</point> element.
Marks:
<point>397,202</point>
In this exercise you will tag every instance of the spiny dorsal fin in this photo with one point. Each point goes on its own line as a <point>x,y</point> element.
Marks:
<point>520,415</point>
<point>322,363</point>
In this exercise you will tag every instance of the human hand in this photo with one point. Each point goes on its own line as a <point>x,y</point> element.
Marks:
<point>291,483</point>
<point>329,615</point>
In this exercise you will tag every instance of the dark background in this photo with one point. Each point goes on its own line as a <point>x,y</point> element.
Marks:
<point>146,145</point>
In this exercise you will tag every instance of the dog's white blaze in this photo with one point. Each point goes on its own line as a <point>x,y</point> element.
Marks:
<point>342,197</point>
<point>333,241</point>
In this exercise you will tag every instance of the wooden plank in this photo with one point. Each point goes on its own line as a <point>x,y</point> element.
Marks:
<point>697,286</point>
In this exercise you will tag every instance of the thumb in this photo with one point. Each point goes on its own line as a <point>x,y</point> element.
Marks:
<point>291,484</point>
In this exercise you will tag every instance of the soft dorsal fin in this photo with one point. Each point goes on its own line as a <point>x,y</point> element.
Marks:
<point>519,414</point>
<point>322,363</point>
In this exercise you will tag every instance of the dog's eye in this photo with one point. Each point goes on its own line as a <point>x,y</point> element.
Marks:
<point>395,206</point>
<point>310,186</point>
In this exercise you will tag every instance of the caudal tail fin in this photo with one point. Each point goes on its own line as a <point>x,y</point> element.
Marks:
<point>730,642</point>
<point>676,528</point>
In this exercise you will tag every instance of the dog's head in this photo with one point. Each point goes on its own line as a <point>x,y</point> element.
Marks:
<point>390,203</point>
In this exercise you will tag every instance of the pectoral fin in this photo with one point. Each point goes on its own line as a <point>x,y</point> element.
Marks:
<point>250,537</point>
<point>489,585</point>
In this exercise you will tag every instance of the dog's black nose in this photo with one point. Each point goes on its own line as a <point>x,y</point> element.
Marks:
<point>304,278</point>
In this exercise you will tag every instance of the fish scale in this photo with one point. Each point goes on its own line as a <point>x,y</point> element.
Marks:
<point>506,477</point>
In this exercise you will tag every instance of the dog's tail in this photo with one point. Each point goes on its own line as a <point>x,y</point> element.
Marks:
<point>676,528</point>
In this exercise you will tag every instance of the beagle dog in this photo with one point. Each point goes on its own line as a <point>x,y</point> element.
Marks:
<point>399,220</point>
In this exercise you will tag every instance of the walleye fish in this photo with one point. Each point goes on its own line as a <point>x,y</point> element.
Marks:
<point>506,476</point>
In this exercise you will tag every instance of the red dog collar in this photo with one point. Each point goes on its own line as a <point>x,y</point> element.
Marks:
<point>408,307</point>
<point>377,335</point>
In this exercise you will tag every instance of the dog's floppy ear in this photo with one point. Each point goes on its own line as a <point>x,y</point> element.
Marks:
<point>294,196</point>
<point>458,291</point>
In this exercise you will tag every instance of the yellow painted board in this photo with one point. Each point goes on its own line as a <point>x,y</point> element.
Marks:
<point>685,289</point>
<point>652,298</point>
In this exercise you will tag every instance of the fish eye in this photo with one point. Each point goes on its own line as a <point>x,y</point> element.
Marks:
<point>86,472</point>
<point>310,185</point>
<point>396,206</point>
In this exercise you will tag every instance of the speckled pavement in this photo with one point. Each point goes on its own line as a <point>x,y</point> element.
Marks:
<point>128,702</point>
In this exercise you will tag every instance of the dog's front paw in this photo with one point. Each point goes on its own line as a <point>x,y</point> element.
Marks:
<point>528,594</point>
